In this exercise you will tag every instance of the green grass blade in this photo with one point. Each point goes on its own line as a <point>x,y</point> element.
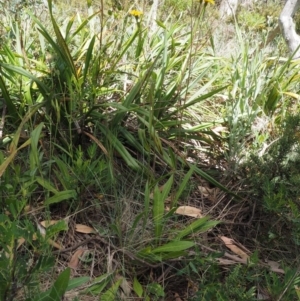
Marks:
<point>211,180</point>
<point>69,26</point>
<point>88,58</point>
<point>8,101</point>
<point>167,188</point>
<point>11,157</point>
<point>158,213</point>
<point>200,225</point>
<point>174,246</point>
<point>64,50</point>
<point>198,99</point>
<point>82,26</point>
<point>60,285</point>
<point>61,196</point>
<point>182,186</point>
<point>19,70</point>
<point>133,93</point>
<point>76,282</point>
<point>111,293</point>
<point>47,185</point>
<point>125,48</point>
<point>35,137</point>
<point>15,141</point>
<point>137,287</point>
<point>120,148</point>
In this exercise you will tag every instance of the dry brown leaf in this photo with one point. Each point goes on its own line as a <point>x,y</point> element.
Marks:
<point>205,191</point>
<point>20,242</point>
<point>236,248</point>
<point>126,287</point>
<point>210,193</point>
<point>189,211</point>
<point>84,229</point>
<point>46,224</point>
<point>27,208</point>
<point>177,298</point>
<point>220,129</point>
<point>274,267</point>
<point>49,223</point>
<point>41,229</point>
<point>54,244</point>
<point>262,295</point>
<point>75,259</point>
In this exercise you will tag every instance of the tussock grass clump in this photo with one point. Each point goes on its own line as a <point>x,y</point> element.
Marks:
<point>123,142</point>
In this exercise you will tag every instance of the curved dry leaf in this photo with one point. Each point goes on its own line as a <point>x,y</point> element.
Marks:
<point>274,267</point>
<point>20,242</point>
<point>27,208</point>
<point>126,287</point>
<point>54,244</point>
<point>189,211</point>
<point>205,191</point>
<point>46,224</point>
<point>232,245</point>
<point>84,229</point>
<point>177,297</point>
<point>41,229</point>
<point>73,264</point>
<point>220,129</point>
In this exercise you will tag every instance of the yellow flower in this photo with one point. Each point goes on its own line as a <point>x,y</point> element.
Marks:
<point>208,1</point>
<point>136,13</point>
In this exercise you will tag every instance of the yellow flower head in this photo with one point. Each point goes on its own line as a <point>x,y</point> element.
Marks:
<point>208,1</point>
<point>136,13</point>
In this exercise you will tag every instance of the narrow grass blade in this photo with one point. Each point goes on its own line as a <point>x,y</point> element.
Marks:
<point>167,188</point>
<point>19,70</point>
<point>60,285</point>
<point>197,100</point>
<point>211,180</point>
<point>120,148</point>
<point>35,137</point>
<point>200,225</point>
<point>61,196</point>
<point>146,205</point>
<point>12,155</point>
<point>158,213</point>
<point>137,287</point>
<point>64,50</point>
<point>82,25</point>
<point>182,186</point>
<point>110,294</point>
<point>174,246</point>
<point>8,101</point>
<point>125,48</point>
<point>76,282</point>
<point>15,141</point>
<point>47,185</point>
<point>133,93</point>
<point>88,58</point>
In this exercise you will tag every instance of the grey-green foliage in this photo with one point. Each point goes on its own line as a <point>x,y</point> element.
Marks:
<point>275,177</point>
<point>241,282</point>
